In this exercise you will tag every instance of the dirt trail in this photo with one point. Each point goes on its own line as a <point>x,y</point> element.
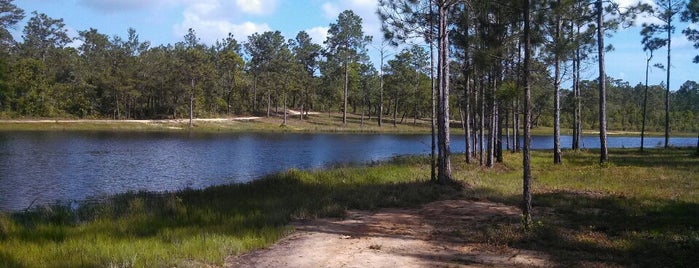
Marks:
<point>435,235</point>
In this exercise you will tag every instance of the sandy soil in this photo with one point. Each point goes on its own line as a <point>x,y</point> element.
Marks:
<point>145,121</point>
<point>435,235</point>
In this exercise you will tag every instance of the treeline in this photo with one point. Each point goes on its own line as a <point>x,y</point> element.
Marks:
<point>624,107</point>
<point>127,78</point>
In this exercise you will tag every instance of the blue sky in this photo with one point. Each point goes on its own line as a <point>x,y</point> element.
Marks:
<point>167,21</point>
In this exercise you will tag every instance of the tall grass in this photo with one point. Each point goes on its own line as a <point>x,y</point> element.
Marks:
<point>201,227</point>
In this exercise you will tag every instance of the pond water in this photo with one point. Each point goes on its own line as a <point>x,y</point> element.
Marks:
<point>44,167</point>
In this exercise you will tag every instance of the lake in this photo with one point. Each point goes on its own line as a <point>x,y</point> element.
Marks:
<point>54,166</point>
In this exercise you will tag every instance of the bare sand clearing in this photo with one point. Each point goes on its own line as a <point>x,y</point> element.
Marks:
<point>136,121</point>
<point>430,236</point>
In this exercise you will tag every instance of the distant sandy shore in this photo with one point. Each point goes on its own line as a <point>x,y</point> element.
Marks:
<point>146,121</point>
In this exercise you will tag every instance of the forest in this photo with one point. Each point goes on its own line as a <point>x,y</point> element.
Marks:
<point>485,71</point>
<point>123,77</point>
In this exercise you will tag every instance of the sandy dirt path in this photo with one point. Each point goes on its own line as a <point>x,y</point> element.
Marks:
<point>435,235</point>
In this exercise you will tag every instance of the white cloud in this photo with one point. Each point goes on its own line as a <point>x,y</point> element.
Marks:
<point>621,75</point>
<point>211,30</point>
<point>624,4</point>
<point>257,7</point>
<point>641,18</point>
<point>330,10</point>
<point>214,19</point>
<point>114,6</point>
<point>73,34</point>
<point>318,34</point>
<point>248,28</point>
<point>364,3</point>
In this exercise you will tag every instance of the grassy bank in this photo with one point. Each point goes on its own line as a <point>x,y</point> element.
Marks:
<point>640,210</point>
<point>314,123</point>
<point>201,227</point>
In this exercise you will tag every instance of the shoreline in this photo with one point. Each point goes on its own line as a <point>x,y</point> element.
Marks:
<point>315,123</point>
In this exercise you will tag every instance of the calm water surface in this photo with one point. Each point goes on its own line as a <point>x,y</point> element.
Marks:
<point>43,167</point>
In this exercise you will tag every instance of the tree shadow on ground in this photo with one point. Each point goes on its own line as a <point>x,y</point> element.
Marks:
<point>8,261</point>
<point>676,158</point>
<point>579,229</point>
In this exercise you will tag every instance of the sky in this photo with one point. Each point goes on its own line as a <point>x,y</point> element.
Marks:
<point>167,21</point>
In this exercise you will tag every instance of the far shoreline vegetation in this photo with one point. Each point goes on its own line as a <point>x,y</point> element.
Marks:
<point>313,123</point>
<point>619,214</point>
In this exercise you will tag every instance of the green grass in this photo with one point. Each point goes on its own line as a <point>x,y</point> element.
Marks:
<point>642,209</point>
<point>201,227</point>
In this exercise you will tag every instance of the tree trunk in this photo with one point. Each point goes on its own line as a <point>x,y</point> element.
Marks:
<point>363,110</point>
<point>417,88</point>
<point>577,120</point>
<point>474,134</point>
<point>276,101</point>
<point>645,102</point>
<point>381,85</point>
<point>467,111</point>
<point>604,154</point>
<point>191,106</point>
<point>515,125</point>
<point>344,109</point>
<point>395,107</point>
<point>507,129</point>
<point>433,123</point>
<point>481,128</point>
<point>444,162</point>
<point>228,95</point>
<point>498,138</point>
<point>497,122</point>
<point>269,103</point>
<point>556,98</point>
<point>116,105</point>
<point>284,121</point>
<point>667,81</point>
<point>491,125</point>
<point>304,95</point>
<point>254,95</point>
<point>526,157</point>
